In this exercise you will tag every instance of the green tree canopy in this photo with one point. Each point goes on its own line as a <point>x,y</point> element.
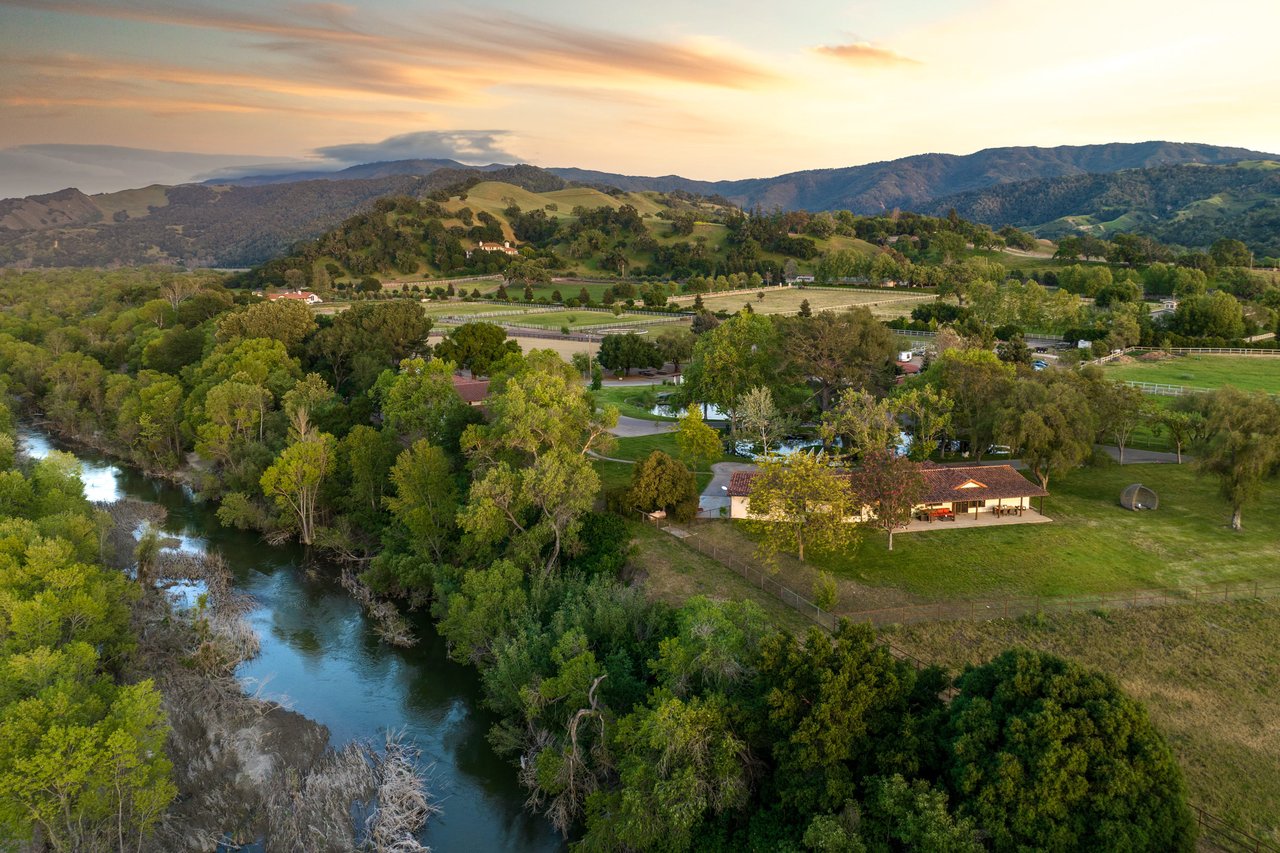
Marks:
<point>660,483</point>
<point>476,346</point>
<point>1048,755</point>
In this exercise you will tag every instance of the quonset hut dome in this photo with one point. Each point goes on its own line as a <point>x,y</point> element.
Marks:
<point>1138,497</point>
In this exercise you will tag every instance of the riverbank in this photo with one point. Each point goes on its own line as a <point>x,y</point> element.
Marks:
<point>247,769</point>
<point>320,661</point>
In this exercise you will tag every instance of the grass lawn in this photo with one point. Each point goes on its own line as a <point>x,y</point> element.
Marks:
<point>613,475</point>
<point>640,446</point>
<point>630,400</point>
<point>1092,546</point>
<point>568,289</point>
<point>1204,371</point>
<point>578,319</point>
<point>637,448</point>
<point>673,573</point>
<point>820,299</point>
<point>463,309</point>
<point>1208,674</point>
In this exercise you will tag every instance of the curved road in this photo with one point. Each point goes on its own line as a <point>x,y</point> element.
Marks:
<point>629,427</point>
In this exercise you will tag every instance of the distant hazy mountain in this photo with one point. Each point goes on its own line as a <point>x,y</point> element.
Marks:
<point>203,225</point>
<point>911,183</point>
<point>240,221</point>
<point>1188,205</point>
<point>27,169</point>
<point>364,171</point>
<point>908,183</point>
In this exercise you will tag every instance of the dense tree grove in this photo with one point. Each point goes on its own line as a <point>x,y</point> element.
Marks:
<point>82,760</point>
<point>634,724</point>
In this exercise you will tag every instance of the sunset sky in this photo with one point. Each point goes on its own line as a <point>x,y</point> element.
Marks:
<point>705,89</point>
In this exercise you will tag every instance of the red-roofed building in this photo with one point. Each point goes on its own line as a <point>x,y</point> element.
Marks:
<point>956,490</point>
<point>472,391</point>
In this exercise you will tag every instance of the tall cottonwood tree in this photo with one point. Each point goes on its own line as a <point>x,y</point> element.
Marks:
<point>1121,409</point>
<point>699,444</point>
<point>865,424</point>
<point>840,350</point>
<point>425,499</point>
<point>761,419</point>
<point>294,480</point>
<point>928,411</point>
<point>533,479</point>
<point>799,501</point>
<point>1049,423</point>
<point>976,381</point>
<point>1243,445</point>
<point>729,360</point>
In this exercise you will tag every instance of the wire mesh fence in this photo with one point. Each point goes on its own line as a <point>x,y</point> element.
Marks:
<point>1218,834</point>
<point>1012,607</point>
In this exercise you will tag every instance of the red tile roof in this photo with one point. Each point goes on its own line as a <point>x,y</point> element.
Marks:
<point>943,483</point>
<point>986,483</point>
<point>471,390</point>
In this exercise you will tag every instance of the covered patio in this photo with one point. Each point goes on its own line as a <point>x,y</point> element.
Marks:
<point>980,518</point>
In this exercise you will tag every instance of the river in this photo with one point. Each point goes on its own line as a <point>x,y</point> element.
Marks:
<point>321,658</point>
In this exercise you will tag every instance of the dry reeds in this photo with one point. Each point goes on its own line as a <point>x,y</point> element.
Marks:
<point>391,626</point>
<point>403,802</point>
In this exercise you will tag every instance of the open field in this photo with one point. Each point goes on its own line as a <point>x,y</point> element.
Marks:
<point>1261,373</point>
<point>566,289</point>
<point>1093,546</point>
<point>1209,675</point>
<point>788,301</point>
<point>463,309</point>
<point>561,346</point>
<point>673,573</point>
<point>446,309</point>
<point>1035,262</point>
<point>575,319</point>
<point>494,197</point>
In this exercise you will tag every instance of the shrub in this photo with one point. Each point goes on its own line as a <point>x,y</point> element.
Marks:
<point>825,592</point>
<point>660,483</point>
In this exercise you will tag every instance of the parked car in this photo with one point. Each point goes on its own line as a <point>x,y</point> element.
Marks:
<point>1039,364</point>
<point>1042,349</point>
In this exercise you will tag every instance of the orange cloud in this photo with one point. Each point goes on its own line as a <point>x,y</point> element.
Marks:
<point>865,53</point>
<point>458,44</point>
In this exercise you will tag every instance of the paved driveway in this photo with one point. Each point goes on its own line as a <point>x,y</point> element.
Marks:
<point>715,496</point>
<point>629,427</point>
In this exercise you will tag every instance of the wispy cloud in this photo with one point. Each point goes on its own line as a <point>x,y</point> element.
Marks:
<point>865,53</point>
<point>479,49</point>
<point>468,146</point>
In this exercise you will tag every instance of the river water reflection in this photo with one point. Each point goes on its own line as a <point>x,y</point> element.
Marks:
<point>321,658</point>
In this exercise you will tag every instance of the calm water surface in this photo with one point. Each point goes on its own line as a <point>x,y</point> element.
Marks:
<point>321,658</point>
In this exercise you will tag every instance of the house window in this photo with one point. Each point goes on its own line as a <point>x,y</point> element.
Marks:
<point>966,506</point>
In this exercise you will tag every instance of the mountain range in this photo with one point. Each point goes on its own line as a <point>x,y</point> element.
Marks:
<point>1186,205</point>
<point>907,183</point>
<point>243,221</point>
